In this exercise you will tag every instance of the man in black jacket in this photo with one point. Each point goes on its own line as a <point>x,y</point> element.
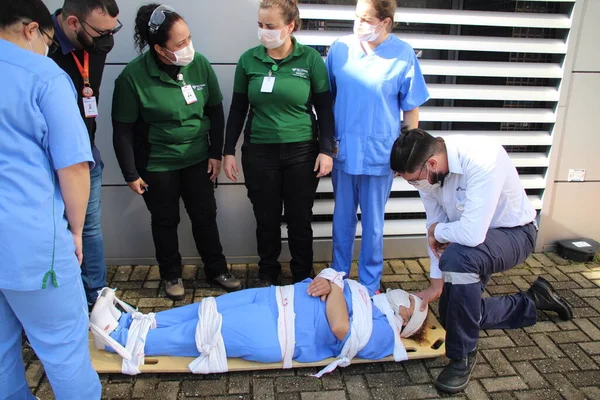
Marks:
<point>84,31</point>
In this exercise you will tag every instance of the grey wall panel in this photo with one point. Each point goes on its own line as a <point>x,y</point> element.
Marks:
<point>581,137</point>
<point>587,57</point>
<point>128,239</point>
<point>112,173</point>
<point>574,212</point>
<point>222,30</point>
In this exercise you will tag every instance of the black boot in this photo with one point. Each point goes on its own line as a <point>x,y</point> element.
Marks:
<point>545,298</point>
<point>455,377</point>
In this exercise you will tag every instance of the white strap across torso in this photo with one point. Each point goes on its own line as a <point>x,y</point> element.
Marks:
<point>360,328</point>
<point>286,323</point>
<point>209,341</point>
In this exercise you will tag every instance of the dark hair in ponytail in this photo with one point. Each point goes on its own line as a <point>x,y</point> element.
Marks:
<point>289,10</point>
<point>12,12</point>
<point>142,35</point>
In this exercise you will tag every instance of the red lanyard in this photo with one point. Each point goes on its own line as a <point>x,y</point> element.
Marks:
<point>84,70</point>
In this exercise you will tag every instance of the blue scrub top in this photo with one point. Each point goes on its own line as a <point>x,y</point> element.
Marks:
<point>41,131</point>
<point>369,92</point>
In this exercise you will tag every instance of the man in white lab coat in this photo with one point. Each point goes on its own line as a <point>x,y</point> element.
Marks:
<point>479,222</point>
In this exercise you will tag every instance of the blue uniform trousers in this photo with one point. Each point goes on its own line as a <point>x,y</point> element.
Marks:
<point>466,272</point>
<point>371,193</point>
<point>56,323</point>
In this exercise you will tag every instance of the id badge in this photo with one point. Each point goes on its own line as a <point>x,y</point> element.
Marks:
<point>188,94</point>
<point>90,107</point>
<point>267,85</point>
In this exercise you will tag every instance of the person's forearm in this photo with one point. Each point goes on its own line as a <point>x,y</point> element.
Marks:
<point>411,118</point>
<point>337,312</point>
<point>75,189</point>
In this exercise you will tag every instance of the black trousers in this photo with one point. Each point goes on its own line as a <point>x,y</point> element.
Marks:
<point>194,186</point>
<point>282,175</point>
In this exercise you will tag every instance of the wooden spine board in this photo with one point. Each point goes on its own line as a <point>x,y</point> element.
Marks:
<point>432,346</point>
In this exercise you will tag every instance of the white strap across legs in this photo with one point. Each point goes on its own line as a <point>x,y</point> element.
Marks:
<point>383,305</point>
<point>136,341</point>
<point>360,328</point>
<point>286,323</point>
<point>209,341</point>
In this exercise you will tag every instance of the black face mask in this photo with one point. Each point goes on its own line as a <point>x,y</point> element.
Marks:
<point>100,45</point>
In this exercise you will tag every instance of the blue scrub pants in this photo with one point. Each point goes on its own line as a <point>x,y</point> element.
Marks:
<point>93,267</point>
<point>466,271</point>
<point>56,323</point>
<point>371,193</point>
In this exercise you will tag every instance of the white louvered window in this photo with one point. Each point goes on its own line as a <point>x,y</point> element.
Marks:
<point>493,68</point>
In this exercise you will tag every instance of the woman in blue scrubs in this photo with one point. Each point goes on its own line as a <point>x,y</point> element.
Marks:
<point>45,158</point>
<point>323,315</point>
<point>374,77</point>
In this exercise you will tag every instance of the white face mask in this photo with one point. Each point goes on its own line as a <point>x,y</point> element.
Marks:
<point>271,38</point>
<point>184,56</point>
<point>47,48</point>
<point>366,32</point>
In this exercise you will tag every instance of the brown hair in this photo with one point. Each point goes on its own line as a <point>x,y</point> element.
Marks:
<point>289,10</point>
<point>384,9</point>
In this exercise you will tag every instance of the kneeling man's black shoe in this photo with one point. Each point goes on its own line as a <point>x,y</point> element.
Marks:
<point>455,377</point>
<point>545,298</point>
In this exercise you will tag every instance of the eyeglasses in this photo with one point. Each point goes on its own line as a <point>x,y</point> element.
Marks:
<point>413,181</point>
<point>158,17</point>
<point>53,46</point>
<point>110,32</point>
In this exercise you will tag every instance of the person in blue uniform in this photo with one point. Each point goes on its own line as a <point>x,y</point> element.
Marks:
<point>374,76</point>
<point>479,222</point>
<point>45,160</point>
<point>323,318</point>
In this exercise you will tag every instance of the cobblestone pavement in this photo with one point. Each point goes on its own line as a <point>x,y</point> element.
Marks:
<point>551,360</point>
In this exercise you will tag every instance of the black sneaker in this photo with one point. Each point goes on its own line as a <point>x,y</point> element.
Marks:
<point>228,282</point>
<point>455,376</point>
<point>262,283</point>
<point>545,298</point>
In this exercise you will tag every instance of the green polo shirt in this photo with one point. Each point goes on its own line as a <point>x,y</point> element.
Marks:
<point>178,132</point>
<point>285,115</point>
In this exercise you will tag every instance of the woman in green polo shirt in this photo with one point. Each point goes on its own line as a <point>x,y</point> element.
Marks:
<point>286,149</point>
<point>168,132</point>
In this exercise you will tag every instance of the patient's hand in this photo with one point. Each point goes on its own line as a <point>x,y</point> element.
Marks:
<point>319,287</point>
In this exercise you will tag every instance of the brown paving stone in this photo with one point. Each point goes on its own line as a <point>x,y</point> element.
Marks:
<point>572,268</point>
<point>263,389</point>
<point>519,337</point>
<point>547,345</point>
<point>34,374</point>
<point>524,353</point>
<point>545,394</point>
<point>398,266</point>
<point>297,384</point>
<point>426,264</point>
<point>503,384</point>
<point>239,383</point>
<point>167,390</point>
<point>482,370</point>
<point>139,272</point>
<point>502,396</point>
<point>327,395</point>
<point>556,259</point>
<point>551,366</point>
<point>569,337</point>
<point>499,363</point>
<point>417,372</point>
<point>116,391</point>
<point>475,391</point>
<point>592,348</point>
<point>153,273</point>
<point>543,326</point>
<point>543,259</point>
<point>578,356</point>
<point>332,381</point>
<point>144,387</point>
<point>387,379</point>
<point>592,392</point>
<point>395,278</point>
<point>565,388</point>
<point>204,387</point>
<point>588,328</point>
<point>581,280</point>
<point>530,375</point>
<point>357,388</point>
<point>495,342</point>
<point>287,396</point>
<point>405,392</point>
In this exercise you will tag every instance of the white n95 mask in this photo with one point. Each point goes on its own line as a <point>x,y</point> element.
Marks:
<point>184,56</point>
<point>271,38</point>
<point>366,32</point>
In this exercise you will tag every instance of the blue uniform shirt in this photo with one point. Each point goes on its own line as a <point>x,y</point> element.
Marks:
<point>369,91</point>
<point>41,131</point>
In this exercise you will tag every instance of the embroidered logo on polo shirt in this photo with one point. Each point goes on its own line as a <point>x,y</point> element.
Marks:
<point>300,72</point>
<point>199,87</point>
